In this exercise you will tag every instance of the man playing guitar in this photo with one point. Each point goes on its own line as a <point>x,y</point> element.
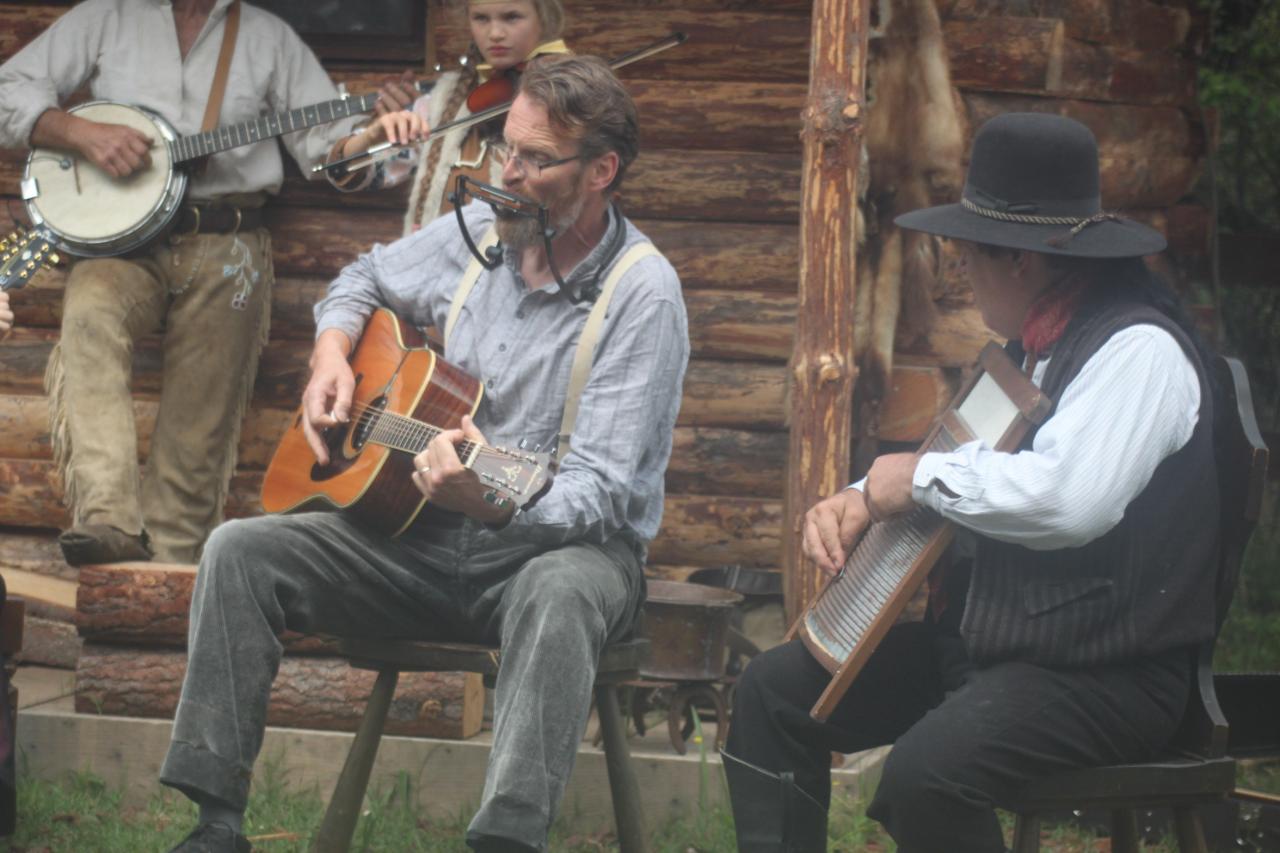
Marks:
<point>550,584</point>
<point>207,285</point>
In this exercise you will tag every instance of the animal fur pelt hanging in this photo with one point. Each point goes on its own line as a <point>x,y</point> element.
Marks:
<point>914,140</point>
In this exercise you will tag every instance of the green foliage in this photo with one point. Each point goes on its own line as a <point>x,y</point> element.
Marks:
<point>1240,78</point>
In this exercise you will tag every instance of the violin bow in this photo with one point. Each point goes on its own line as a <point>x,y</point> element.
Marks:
<point>386,150</point>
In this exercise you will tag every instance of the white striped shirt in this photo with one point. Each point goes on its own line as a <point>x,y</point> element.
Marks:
<point>1133,404</point>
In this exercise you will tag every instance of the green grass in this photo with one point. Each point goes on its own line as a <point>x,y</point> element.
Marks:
<point>82,814</point>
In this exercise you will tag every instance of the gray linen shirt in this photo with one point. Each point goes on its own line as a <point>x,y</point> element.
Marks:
<point>521,343</point>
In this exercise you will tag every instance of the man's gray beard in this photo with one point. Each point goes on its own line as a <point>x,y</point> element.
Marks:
<point>521,232</point>
<point>518,232</point>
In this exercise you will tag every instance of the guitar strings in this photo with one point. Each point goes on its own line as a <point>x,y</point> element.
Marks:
<point>402,428</point>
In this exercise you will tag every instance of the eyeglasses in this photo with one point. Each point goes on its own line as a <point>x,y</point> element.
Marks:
<point>502,153</point>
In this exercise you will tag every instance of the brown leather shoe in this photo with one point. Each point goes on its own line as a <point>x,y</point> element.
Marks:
<point>102,543</point>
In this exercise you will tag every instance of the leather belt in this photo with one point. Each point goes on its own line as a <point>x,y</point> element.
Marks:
<point>215,219</point>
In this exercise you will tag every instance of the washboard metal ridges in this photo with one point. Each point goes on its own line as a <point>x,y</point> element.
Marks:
<point>846,622</point>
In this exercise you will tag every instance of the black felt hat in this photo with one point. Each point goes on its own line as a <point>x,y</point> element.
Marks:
<point>1033,184</point>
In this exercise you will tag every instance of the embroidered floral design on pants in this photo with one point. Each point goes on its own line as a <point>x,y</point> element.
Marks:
<point>241,269</point>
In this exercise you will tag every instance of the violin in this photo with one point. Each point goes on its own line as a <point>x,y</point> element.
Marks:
<point>499,90</point>
<point>496,91</point>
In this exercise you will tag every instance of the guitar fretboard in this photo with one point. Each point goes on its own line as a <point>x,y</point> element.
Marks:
<point>269,126</point>
<point>401,433</point>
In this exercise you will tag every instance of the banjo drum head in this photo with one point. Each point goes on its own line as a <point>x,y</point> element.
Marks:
<point>88,209</point>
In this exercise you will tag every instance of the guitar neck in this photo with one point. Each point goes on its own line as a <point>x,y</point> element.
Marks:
<point>407,434</point>
<point>272,125</point>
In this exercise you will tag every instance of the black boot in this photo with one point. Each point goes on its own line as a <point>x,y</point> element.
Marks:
<point>771,813</point>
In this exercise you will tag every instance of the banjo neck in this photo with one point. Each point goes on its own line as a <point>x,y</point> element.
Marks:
<point>187,148</point>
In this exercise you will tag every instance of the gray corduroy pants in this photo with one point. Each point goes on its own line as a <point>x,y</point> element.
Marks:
<point>551,611</point>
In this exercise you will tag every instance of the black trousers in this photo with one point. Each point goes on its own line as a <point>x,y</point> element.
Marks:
<point>963,737</point>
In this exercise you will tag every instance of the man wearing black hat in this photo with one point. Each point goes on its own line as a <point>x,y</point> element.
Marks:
<point>1090,550</point>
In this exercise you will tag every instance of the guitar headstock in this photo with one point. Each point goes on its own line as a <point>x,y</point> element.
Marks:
<point>514,476</point>
<point>22,254</point>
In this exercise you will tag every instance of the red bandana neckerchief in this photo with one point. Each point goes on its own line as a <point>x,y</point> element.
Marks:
<point>1048,316</point>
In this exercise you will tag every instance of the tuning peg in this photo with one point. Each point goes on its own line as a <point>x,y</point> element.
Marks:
<point>55,258</point>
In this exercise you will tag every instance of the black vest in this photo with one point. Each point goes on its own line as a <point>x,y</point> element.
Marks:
<point>1145,586</point>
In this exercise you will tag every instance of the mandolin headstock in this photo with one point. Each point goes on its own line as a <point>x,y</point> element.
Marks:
<point>514,476</point>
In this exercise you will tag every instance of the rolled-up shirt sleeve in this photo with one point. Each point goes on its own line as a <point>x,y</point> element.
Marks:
<point>46,72</point>
<point>625,420</point>
<point>1133,404</point>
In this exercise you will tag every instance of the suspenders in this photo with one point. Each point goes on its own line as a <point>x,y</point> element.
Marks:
<point>588,341</point>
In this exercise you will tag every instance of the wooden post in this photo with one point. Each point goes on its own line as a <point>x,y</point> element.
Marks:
<point>823,372</point>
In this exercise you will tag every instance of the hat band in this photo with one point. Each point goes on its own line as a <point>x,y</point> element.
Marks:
<point>1077,224</point>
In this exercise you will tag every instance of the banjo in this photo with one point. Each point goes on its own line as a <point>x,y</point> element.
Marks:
<point>86,212</point>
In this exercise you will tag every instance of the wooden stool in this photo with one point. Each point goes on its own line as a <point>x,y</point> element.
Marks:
<point>619,662</point>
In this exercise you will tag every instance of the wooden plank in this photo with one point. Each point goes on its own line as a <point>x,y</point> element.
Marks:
<point>729,46</point>
<point>47,597</point>
<point>308,692</point>
<point>34,551</point>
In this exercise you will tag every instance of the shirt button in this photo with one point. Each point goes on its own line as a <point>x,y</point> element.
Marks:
<point>502,347</point>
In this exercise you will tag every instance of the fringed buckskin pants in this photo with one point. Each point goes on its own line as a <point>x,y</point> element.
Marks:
<point>210,295</point>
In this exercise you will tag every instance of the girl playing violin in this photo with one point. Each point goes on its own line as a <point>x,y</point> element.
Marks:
<point>505,34</point>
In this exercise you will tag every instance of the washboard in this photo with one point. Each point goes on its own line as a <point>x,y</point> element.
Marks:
<point>847,620</point>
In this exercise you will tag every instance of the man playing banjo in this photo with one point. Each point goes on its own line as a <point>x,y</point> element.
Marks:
<point>207,285</point>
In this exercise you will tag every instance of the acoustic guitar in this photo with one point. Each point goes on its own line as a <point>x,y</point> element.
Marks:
<point>405,395</point>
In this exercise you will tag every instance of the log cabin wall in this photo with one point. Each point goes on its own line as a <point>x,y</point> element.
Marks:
<point>717,187</point>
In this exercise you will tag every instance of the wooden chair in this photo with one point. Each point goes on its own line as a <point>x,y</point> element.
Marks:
<point>1197,769</point>
<point>619,662</point>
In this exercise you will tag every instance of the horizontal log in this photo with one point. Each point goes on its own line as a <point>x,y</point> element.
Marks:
<point>726,394</point>
<point>663,183</point>
<point>1149,156</point>
<point>310,693</point>
<point>727,462</point>
<point>47,642</point>
<point>709,531</point>
<point>1106,73</point>
<point>685,114</point>
<point>1005,54</point>
<point>1088,20</point>
<point>745,44</point>
<point>22,22</point>
<point>728,528</point>
<point>746,395</point>
<point>147,604</point>
<point>34,551</point>
<point>706,461</point>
